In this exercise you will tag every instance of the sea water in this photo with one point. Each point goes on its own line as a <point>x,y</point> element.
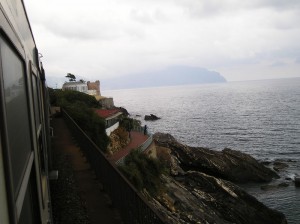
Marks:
<point>261,118</point>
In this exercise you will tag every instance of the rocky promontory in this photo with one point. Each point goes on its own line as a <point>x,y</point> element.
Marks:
<point>227,164</point>
<point>200,186</point>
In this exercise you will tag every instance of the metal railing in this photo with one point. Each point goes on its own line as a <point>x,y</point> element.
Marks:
<point>146,144</point>
<point>132,207</point>
<point>140,129</point>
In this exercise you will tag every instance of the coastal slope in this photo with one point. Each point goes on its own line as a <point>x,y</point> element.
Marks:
<point>199,187</point>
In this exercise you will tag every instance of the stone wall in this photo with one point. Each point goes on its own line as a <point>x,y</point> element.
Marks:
<point>94,86</point>
<point>107,103</point>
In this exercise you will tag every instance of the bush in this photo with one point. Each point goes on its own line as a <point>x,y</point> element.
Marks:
<point>143,172</point>
<point>69,96</point>
<point>129,123</point>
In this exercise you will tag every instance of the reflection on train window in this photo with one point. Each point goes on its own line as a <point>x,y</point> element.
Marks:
<point>18,126</point>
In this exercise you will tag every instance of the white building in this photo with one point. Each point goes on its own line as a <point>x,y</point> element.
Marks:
<point>91,88</point>
<point>76,86</point>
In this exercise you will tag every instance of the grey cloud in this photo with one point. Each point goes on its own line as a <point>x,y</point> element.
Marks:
<point>210,8</point>
<point>116,34</point>
<point>148,16</point>
<point>83,29</point>
<point>278,4</point>
<point>278,64</point>
<point>141,16</point>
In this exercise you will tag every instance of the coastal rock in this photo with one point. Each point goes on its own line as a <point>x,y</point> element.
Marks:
<point>195,197</point>
<point>124,111</point>
<point>151,117</point>
<point>297,181</point>
<point>196,191</point>
<point>279,166</point>
<point>274,186</point>
<point>227,164</point>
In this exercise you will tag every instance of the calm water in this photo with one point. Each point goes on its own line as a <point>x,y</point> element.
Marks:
<point>261,118</point>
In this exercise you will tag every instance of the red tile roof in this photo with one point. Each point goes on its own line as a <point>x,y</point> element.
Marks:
<point>106,113</point>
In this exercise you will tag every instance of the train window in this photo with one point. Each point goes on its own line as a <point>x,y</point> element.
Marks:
<point>16,110</point>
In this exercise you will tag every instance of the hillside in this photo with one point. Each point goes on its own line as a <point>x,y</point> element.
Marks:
<point>171,76</point>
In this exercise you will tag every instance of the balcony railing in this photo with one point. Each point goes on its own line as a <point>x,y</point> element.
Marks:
<point>132,207</point>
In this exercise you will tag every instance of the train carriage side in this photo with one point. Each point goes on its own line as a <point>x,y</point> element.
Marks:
<point>24,144</point>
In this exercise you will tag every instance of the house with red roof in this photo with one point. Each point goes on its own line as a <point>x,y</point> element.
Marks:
<point>112,118</point>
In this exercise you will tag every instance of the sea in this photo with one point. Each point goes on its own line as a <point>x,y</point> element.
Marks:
<point>261,118</point>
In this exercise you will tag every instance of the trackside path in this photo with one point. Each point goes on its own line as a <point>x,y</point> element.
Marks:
<point>77,196</point>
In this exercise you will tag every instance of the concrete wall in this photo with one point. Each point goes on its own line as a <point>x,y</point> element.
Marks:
<point>151,151</point>
<point>111,129</point>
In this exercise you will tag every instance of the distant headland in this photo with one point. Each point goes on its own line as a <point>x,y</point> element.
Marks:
<point>171,76</point>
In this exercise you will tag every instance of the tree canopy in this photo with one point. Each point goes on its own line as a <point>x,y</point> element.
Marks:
<point>71,77</point>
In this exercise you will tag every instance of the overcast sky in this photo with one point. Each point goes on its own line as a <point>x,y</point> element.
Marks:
<point>96,39</point>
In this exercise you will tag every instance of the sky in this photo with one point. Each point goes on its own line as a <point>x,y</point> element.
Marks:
<point>97,39</point>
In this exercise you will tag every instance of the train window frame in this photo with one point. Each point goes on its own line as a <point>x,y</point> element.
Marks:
<point>3,191</point>
<point>9,93</point>
<point>15,196</point>
<point>36,100</point>
<point>38,132</point>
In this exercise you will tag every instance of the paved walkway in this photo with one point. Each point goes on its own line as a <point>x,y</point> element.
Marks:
<point>136,140</point>
<point>91,197</point>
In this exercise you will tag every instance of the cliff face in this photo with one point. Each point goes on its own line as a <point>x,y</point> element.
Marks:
<point>198,190</point>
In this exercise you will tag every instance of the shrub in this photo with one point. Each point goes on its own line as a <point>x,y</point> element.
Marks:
<point>75,96</point>
<point>143,172</point>
<point>129,123</point>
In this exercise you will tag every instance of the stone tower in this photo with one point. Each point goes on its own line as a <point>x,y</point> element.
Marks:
<point>94,86</point>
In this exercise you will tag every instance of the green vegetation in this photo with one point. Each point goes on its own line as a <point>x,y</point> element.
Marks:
<point>129,123</point>
<point>63,98</point>
<point>122,135</point>
<point>71,77</point>
<point>143,172</point>
<point>80,107</point>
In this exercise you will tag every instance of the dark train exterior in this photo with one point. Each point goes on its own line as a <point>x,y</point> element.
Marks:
<point>24,133</point>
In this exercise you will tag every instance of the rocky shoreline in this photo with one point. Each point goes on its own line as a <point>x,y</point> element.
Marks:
<point>201,187</point>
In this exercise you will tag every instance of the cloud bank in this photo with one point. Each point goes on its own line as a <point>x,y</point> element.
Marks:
<point>98,39</point>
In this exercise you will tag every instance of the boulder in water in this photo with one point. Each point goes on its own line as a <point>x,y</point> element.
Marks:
<point>274,186</point>
<point>297,181</point>
<point>279,166</point>
<point>151,117</point>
